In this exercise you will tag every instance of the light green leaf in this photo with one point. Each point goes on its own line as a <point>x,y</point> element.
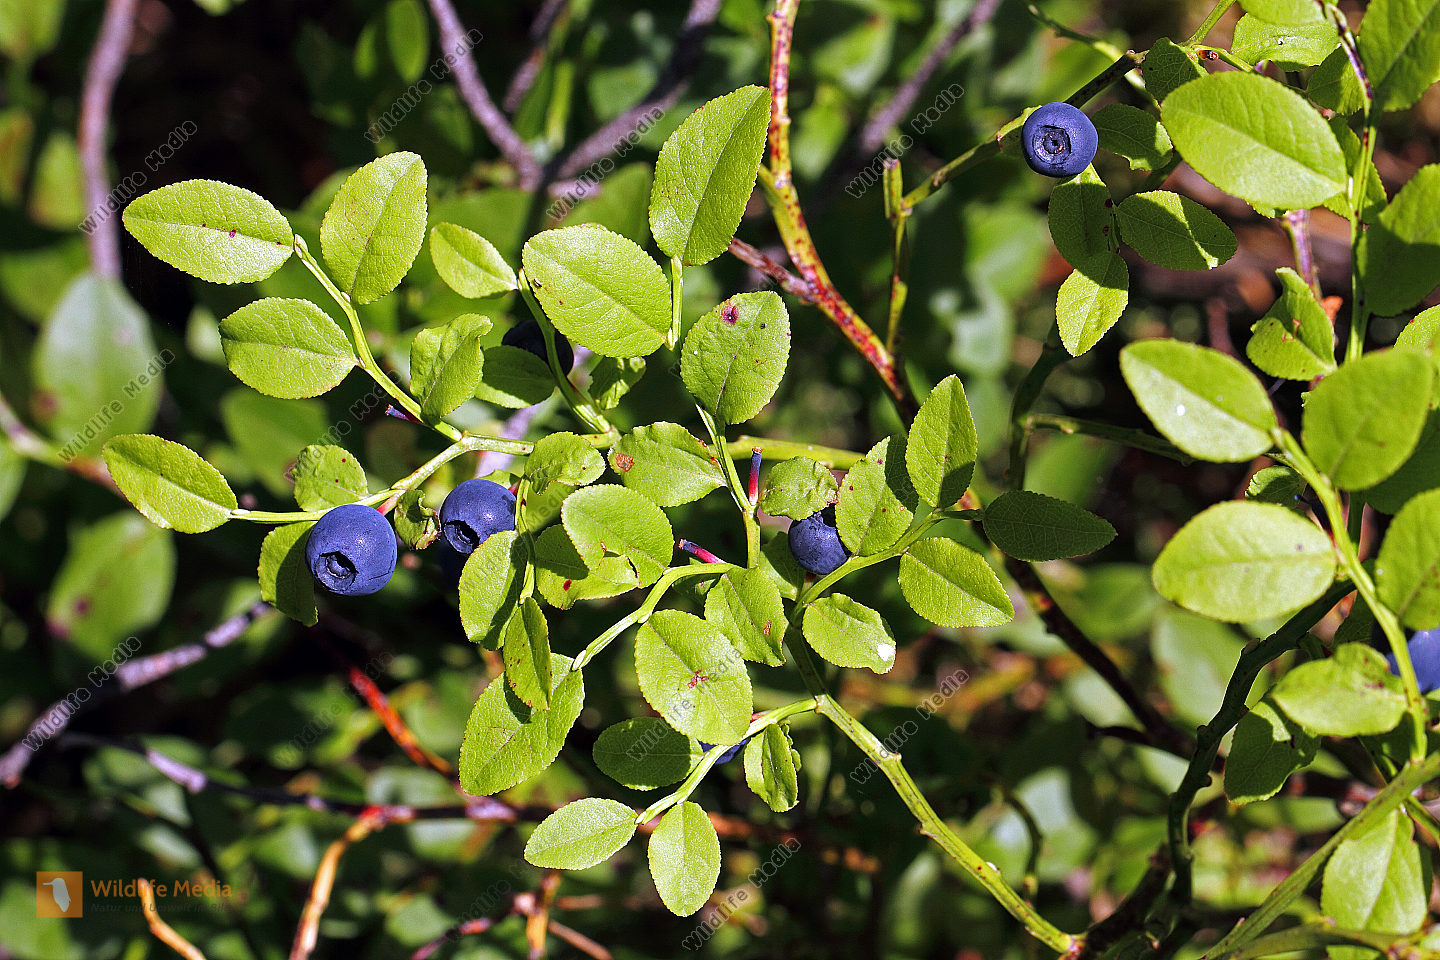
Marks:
<point>798,488</point>
<point>1174,231</point>
<point>445,364</point>
<point>1133,134</point>
<point>490,587</point>
<point>1091,301</point>
<point>1400,47</point>
<point>1255,138</point>
<point>612,377</point>
<point>1335,86</point>
<point>526,651</point>
<point>1287,45</point>
<point>170,484</point>
<point>211,230</point>
<point>1295,339</point>
<point>1203,401</point>
<point>1363,421</point>
<point>940,452</point>
<point>734,357</point>
<point>375,226</point>
<point>1375,881</point>
<point>1418,474</point>
<point>645,753</point>
<point>599,289</point>
<point>1082,219</point>
<point>666,463</point>
<point>1407,572</point>
<point>1242,560</point>
<point>1400,253</point>
<point>563,458</point>
<point>706,173</point>
<point>608,520</point>
<point>1267,748</point>
<point>1168,66</point>
<point>1277,484</point>
<point>115,582</point>
<point>581,834</point>
<point>514,378</point>
<point>772,767</point>
<point>563,579</point>
<point>685,858</point>
<point>952,585</point>
<point>286,348</point>
<point>1352,694</point>
<point>507,742</point>
<point>1032,526</point>
<point>877,500</point>
<point>416,523</point>
<point>468,263</point>
<point>327,476</point>
<point>849,634</point>
<point>693,677</point>
<point>285,580</point>
<point>1284,11</point>
<point>748,610</point>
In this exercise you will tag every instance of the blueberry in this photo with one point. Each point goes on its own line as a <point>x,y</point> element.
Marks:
<point>351,550</point>
<point>527,335</point>
<point>728,755</point>
<point>473,511</point>
<point>815,543</point>
<point>1059,140</point>
<point>1424,650</point>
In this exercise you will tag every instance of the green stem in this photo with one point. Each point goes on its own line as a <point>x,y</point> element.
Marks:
<point>738,490</point>
<point>1209,22</point>
<point>642,613</point>
<point>1029,390</point>
<point>576,398</point>
<point>898,214</point>
<point>1135,439</point>
<point>772,449</point>
<point>677,289</point>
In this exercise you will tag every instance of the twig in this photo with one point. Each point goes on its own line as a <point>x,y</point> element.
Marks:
<point>1135,439</point>
<point>770,267</point>
<point>308,932</point>
<point>165,933</point>
<point>579,941</point>
<point>671,84</point>
<point>55,719</point>
<point>524,77</point>
<point>1297,224</point>
<point>473,91</point>
<point>537,918</point>
<point>1132,911</point>
<point>107,60</point>
<point>466,929</point>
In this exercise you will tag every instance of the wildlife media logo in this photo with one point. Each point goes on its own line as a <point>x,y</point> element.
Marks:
<point>59,893</point>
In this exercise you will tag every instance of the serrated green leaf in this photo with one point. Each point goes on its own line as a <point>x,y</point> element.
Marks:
<point>375,226</point>
<point>1255,138</point>
<point>1277,484</point>
<point>1288,45</point>
<point>1351,694</point>
<point>849,634</point>
<point>1133,134</point>
<point>285,580</point>
<point>1400,253</point>
<point>526,652</point>
<point>490,587</point>
<point>705,175</point>
<point>748,610</point>
<point>666,463</point>
<point>1407,573</point>
<point>327,476</point>
<point>507,742</point>
<point>1241,560</point>
<point>612,377</point>
<point>645,753</point>
<point>445,364</point>
<point>1168,66</point>
<point>563,579</point>
<point>1091,301</point>
<point>581,834</point>
<point>599,289</point>
<point>1174,231</point>
<point>952,585</point>
<point>1203,401</point>
<point>693,677</point>
<point>609,520</point>
<point>1267,748</point>
<point>1418,474</point>
<point>734,357</point>
<point>1295,339</point>
<point>169,483</point>
<point>286,348</point>
<point>1284,11</point>
<point>1363,421</point>
<point>685,858</point>
<point>876,501</point>
<point>563,458</point>
<point>1032,526</point>
<point>1082,218</point>
<point>514,378</point>
<point>772,767</point>
<point>1400,46</point>
<point>416,523</point>
<point>1335,86</point>
<point>941,450</point>
<point>468,263</point>
<point>798,488</point>
<point>1375,881</point>
<point>211,230</point>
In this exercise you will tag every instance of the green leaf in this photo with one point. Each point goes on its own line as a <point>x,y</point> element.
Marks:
<point>1400,47</point>
<point>1194,659</point>
<point>1203,401</point>
<point>940,452</point>
<point>1283,11</point>
<point>693,677</point>
<point>490,587</point>
<point>706,173</point>
<point>876,501</point>
<point>609,520</point>
<point>375,226</point>
<point>599,289</point>
<point>1091,301</point>
<point>612,377</point>
<point>1241,560</point>
<point>1352,694</point>
<point>666,463</point>
<point>1082,219</point>
<point>849,634</point>
<point>417,524</point>
<point>563,458</point>
<point>748,610</point>
<point>526,651</point>
<point>327,476</point>
<point>734,357</point>
<point>1295,339</point>
<point>563,579</point>
<point>952,585</point>
<point>1407,572</point>
<point>1174,231</point>
<point>285,580</point>
<point>1400,253</point>
<point>772,767</point>
<point>1267,748</point>
<point>798,488</point>
<point>445,364</point>
<point>170,484</point>
<point>286,348</point>
<point>211,230</point>
<point>1277,485</point>
<point>95,368</point>
<point>468,263</point>
<point>407,33</point>
<point>115,582</point>
<point>581,834</point>
<point>1375,881</point>
<point>645,753</point>
<point>1032,526</point>
<point>685,858</point>
<point>1287,45</point>
<point>1363,421</point>
<point>515,378</point>
<point>1418,474</point>
<point>1168,66</point>
<point>1133,134</point>
<point>507,742</point>
<point>1257,139</point>
<point>1335,86</point>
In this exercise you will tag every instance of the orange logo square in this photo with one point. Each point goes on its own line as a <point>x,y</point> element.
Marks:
<point>59,893</point>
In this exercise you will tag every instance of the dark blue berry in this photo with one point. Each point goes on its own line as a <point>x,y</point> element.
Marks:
<point>351,550</point>
<point>473,511</point>
<point>815,543</point>
<point>1424,650</point>
<point>728,755</point>
<point>527,335</point>
<point>1059,140</point>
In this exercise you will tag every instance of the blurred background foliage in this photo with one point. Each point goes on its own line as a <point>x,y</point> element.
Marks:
<point>280,94</point>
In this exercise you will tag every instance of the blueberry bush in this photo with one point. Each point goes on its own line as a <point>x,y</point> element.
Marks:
<point>1082,601</point>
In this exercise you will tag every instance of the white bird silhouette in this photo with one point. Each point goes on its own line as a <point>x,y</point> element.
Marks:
<point>60,892</point>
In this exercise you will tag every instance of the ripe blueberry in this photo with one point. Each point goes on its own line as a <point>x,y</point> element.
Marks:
<point>527,336</point>
<point>815,543</point>
<point>1424,650</point>
<point>351,550</point>
<point>473,511</point>
<point>1059,140</point>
